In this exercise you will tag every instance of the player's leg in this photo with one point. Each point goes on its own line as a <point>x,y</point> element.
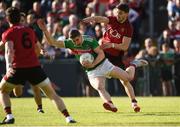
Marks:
<point>119,73</point>
<point>98,83</point>
<point>129,73</point>
<point>5,89</point>
<point>11,80</point>
<point>130,92</point>
<point>133,65</point>
<point>51,94</point>
<point>125,77</point>
<point>18,90</point>
<point>38,98</point>
<point>37,77</point>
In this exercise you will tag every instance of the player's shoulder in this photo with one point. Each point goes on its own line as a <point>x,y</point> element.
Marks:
<point>9,30</point>
<point>112,19</point>
<point>28,28</point>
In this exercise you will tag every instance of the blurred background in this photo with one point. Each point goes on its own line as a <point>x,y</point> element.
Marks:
<point>156,38</point>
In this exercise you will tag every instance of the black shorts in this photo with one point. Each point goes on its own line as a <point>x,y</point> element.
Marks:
<point>33,75</point>
<point>115,60</point>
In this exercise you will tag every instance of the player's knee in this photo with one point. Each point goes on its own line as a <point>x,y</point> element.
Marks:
<point>100,88</point>
<point>44,83</point>
<point>17,93</point>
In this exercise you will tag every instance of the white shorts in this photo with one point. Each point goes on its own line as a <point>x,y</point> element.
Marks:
<point>103,70</point>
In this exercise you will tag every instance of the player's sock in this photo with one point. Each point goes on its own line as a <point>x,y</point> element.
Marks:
<point>39,106</point>
<point>39,109</point>
<point>65,113</point>
<point>135,105</point>
<point>134,101</point>
<point>69,119</point>
<point>110,102</point>
<point>8,110</point>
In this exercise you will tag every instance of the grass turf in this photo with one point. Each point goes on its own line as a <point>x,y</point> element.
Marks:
<point>88,111</point>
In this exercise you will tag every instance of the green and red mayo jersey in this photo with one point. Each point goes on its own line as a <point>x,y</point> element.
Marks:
<point>24,41</point>
<point>88,46</point>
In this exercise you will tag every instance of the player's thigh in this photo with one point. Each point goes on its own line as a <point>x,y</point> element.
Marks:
<point>97,82</point>
<point>6,86</point>
<point>119,74</point>
<point>46,87</point>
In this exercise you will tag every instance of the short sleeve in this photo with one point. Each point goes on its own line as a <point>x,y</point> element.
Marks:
<point>68,44</point>
<point>4,37</point>
<point>129,30</point>
<point>111,19</point>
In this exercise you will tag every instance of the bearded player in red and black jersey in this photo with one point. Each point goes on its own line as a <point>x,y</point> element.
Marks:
<point>116,41</point>
<point>21,51</point>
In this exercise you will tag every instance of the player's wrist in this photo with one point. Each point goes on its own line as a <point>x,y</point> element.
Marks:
<point>10,65</point>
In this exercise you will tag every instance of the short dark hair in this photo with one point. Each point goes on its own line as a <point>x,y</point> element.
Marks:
<point>123,6</point>
<point>74,33</point>
<point>13,14</point>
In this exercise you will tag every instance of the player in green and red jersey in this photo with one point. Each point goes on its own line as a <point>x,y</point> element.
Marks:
<point>97,71</point>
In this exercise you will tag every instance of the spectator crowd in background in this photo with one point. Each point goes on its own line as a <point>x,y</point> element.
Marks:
<point>162,53</point>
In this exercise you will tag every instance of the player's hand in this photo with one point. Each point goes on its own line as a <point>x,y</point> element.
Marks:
<point>87,64</point>
<point>10,72</point>
<point>41,24</point>
<point>43,52</point>
<point>89,20</point>
<point>106,45</point>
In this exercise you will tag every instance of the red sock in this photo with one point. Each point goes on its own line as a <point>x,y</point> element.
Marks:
<point>134,101</point>
<point>65,113</point>
<point>8,110</point>
<point>39,107</point>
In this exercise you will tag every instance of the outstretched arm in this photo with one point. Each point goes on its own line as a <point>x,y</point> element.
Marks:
<point>50,39</point>
<point>98,19</point>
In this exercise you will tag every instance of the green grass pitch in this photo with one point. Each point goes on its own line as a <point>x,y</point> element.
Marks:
<point>88,111</point>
